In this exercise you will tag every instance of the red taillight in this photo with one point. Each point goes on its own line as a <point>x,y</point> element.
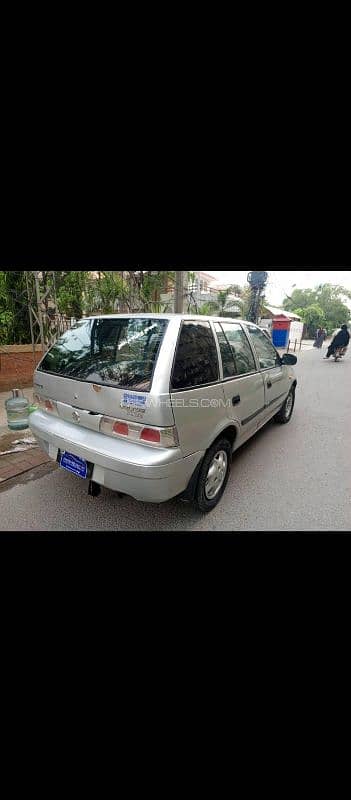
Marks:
<point>121,428</point>
<point>150,435</point>
<point>135,432</point>
<point>46,404</point>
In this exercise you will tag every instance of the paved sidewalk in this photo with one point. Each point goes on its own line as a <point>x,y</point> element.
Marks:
<point>14,461</point>
<point>18,452</point>
<point>306,344</point>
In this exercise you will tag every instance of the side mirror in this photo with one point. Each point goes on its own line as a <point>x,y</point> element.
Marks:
<point>288,358</point>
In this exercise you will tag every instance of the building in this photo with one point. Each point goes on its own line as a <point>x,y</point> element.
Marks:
<point>271,313</point>
<point>201,288</point>
<point>204,288</point>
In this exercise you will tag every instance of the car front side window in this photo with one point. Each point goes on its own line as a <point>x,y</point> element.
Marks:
<point>267,355</point>
<point>237,356</point>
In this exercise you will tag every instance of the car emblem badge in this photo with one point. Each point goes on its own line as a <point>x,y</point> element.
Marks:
<point>76,416</point>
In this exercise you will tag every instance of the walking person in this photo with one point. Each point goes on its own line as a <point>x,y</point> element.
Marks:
<point>341,339</point>
<point>320,336</point>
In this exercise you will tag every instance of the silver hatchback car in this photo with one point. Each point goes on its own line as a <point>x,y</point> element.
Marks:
<point>154,405</point>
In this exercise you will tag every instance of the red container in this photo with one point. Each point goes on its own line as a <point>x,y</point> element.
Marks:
<point>281,323</point>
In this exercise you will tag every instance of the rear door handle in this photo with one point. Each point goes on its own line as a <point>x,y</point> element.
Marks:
<point>269,384</point>
<point>236,399</point>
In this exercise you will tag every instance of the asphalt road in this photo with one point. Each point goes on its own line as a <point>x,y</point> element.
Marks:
<point>293,477</point>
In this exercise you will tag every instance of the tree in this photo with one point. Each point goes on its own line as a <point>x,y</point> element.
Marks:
<point>336,312</point>
<point>222,299</point>
<point>70,294</point>
<point>6,316</point>
<point>134,290</point>
<point>327,297</point>
<point>313,317</point>
<point>222,302</point>
<point>191,288</point>
<point>209,309</point>
<point>6,326</point>
<point>237,290</point>
<point>106,293</point>
<point>153,282</point>
<point>300,298</point>
<point>14,313</point>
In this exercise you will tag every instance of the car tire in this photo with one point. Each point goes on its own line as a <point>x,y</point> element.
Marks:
<point>285,413</point>
<point>213,475</point>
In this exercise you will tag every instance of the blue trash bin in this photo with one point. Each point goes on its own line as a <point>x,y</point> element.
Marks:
<point>280,337</point>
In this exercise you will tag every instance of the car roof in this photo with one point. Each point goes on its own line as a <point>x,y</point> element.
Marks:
<point>171,316</point>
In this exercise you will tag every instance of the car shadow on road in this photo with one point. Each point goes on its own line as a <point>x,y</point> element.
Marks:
<point>68,507</point>
<point>174,514</point>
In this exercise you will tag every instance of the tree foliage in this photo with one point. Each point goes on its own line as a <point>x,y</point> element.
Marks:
<point>76,293</point>
<point>323,305</point>
<point>313,316</point>
<point>14,314</point>
<point>209,309</point>
<point>222,302</point>
<point>70,294</point>
<point>153,284</point>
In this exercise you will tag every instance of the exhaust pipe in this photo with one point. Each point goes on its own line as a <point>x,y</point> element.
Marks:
<point>94,489</point>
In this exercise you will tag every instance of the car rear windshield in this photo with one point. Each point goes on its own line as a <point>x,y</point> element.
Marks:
<point>119,352</point>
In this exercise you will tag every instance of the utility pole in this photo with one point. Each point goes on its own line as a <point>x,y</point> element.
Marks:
<point>257,281</point>
<point>179,291</point>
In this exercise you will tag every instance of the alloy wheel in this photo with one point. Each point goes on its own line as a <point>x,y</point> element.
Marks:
<point>216,474</point>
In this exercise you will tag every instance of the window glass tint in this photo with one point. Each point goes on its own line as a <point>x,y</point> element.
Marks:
<point>117,352</point>
<point>196,360</point>
<point>240,349</point>
<point>227,355</point>
<point>267,355</point>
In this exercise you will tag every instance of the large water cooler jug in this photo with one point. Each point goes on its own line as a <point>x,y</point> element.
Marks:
<point>17,409</point>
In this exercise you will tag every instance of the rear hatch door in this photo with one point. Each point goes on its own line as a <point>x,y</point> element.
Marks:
<point>105,366</point>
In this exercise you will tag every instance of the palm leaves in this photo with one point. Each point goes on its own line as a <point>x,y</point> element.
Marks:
<point>223,303</point>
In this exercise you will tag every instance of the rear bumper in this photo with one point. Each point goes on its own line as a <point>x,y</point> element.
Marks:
<point>146,473</point>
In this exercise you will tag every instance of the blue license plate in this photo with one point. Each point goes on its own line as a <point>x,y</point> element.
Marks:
<point>74,464</point>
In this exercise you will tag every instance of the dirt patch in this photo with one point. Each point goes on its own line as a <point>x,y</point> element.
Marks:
<point>6,441</point>
<point>26,477</point>
<point>16,442</point>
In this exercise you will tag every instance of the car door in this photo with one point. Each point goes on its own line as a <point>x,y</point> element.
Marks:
<point>242,381</point>
<point>196,391</point>
<point>275,375</point>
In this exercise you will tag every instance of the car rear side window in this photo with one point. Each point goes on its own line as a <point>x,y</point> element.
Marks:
<point>119,352</point>
<point>196,361</point>
<point>236,353</point>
